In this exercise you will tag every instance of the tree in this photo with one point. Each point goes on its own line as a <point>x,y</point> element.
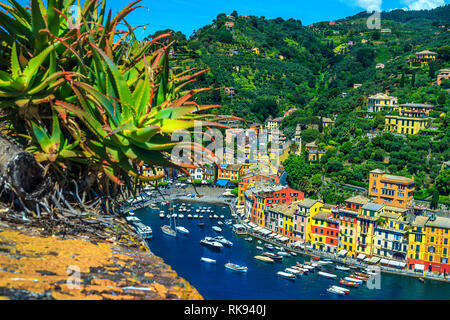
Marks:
<point>442,183</point>
<point>435,199</point>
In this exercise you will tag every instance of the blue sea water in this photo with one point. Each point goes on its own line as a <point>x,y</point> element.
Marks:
<point>215,282</point>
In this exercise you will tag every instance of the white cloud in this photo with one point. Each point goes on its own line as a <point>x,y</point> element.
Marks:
<point>370,5</point>
<point>423,4</point>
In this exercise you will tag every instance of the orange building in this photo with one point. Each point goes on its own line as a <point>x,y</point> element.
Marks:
<point>251,180</point>
<point>324,231</point>
<point>395,191</point>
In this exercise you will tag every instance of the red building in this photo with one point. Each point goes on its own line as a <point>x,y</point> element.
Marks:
<point>325,231</point>
<point>271,196</point>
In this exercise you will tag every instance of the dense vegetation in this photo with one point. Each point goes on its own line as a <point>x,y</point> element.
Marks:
<point>275,65</point>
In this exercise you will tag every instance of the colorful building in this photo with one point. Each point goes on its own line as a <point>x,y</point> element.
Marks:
<point>391,190</point>
<point>391,237</point>
<point>443,74</point>
<point>232,172</point>
<point>252,179</point>
<point>381,102</point>
<point>281,217</point>
<point>324,232</point>
<point>424,57</point>
<point>437,244</point>
<point>365,230</point>
<point>302,219</point>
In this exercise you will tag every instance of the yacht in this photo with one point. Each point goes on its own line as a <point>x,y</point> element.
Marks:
<point>208,260</point>
<point>224,241</point>
<point>211,243</point>
<point>236,267</point>
<point>169,231</point>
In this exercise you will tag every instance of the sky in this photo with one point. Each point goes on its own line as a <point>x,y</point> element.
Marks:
<point>189,15</point>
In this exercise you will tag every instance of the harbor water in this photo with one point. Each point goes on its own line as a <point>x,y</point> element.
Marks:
<point>215,282</point>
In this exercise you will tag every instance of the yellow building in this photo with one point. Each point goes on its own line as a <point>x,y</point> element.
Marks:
<point>231,172</point>
<point>381,102</point>
<point>314,154</point>
<point>307,208</point>
<point>394,191</point>
<point>424,57</point>
<point>281,219</point>
<point>416,244</point>
<point>365,231</point>
<point>273,124</point>
<point>405,125</point>
<point>437,244</point>
<point>153,171</point>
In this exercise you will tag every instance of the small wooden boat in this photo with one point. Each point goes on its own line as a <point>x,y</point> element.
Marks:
<point>264,258</point>
<point>208,260</point>
<point>286,275</point>
<point>342,268</point>
<point>236,267</point>
<point>333,290</point>
<point>327,275</point>
<point>349,283</point>
<point>341,289</point>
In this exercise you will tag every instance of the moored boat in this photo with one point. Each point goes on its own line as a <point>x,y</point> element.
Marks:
<point>211,243</point>
<point>293,271</point>
<point>336,291</point>
<point>201,224</point>
<point>259,248</point>
<point>349,283</point>
<point>341,289</point>
<point>273,256</point>
<point>342,268</point>
<point>169,231</point>
<point>208,260</point>
<point>217,229</point>
<point>283,253</point>
<point>286,275</point>
<point>351,279</point>
<point>327,275</point>
<point>224,241</point>
<point>182,230</point>
<point>236,267</point>
<point>264,258</point>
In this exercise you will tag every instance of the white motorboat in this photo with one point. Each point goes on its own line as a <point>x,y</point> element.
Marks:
<point>224,241</point>
<point>161,215</point>
<point>217,229</point>
<point>216,216</point>
<point>222,216</point>
<point>208,260</point>
<point>341,289</point>
<point>181,216</point>
<point>182,230</point>
<point>236,267</point>
<point>259,248</point>
<point>351,279</point>
<point>293,271</point>
<point>327,275</point>
<point>283,253</point>
<point>220,223</point>
<point>286,275</point>
<point>342,268</point>
<point>336,291</point>
<point>189,216</point>
<point>211,243</point>
<point>195,216</point>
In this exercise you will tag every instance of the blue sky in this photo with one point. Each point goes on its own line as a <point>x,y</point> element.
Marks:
<point>189,15</point>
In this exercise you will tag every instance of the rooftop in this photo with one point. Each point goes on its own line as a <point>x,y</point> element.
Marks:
<point>307,203</point>
<point>397,178</point>
<point>377,171</point>
<point>285,209</point>
<point>439,222</point>
<point>420,221</point>
<point>372,206</point>
<point>382,96</point>
<point>357,199</point>
<point>426,52</point>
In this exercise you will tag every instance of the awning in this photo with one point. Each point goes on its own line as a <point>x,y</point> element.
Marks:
<point>283,239</point>
<point>342,253</point>
<point>393,263</point>
<point>384,261</point>
<point>252,225</point>
<point>374,260</point>
<point>257,229</point>
<point>222,182</point>
<point>367,260</point>
<point>361,256</point>
<point>419,267</point>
